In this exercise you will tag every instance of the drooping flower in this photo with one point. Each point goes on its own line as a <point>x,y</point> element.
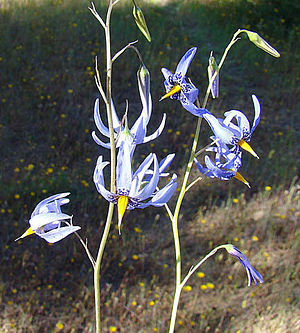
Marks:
<point>226,166</point>
<point>178,88</point>
<point>47,220</point>
<point>137,133</point>
<point>253,275</point>
<point>133,190</point>
<point>237,135</point>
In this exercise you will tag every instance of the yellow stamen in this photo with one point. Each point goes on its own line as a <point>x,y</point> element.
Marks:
<point>28,232</point>
<point>122,205</point>
<point>173,91</point>
<point>239,177</point>
<point>243,144</point>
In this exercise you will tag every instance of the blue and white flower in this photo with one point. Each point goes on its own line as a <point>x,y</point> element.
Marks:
<point>178,88</point>
<point>237,135</point>
<point>226,166</point>
<point>137,134</point>
<point>48,222</point>
<point>134,189</point>
<point>253,275</point>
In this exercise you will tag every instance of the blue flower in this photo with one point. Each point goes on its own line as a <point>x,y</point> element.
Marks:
<point>134,189</point>
<point>178,88</point>
<point>137,133</point>
<point>230,133</point>
<point>47,218</point>
<point>253,275</point>
<point>226,166</point>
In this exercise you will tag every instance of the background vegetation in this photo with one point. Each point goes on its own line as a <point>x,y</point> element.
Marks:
<point>47,54</point>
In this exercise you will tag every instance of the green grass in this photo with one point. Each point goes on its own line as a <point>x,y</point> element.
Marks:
<point>47,92</point>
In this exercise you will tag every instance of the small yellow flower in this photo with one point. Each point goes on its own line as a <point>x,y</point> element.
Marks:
<point>112,329</point>
<point>235,200</point>
<point>70,91</point>
<point>180,322</point>
<point>187,288</point>
<point>166,265</point>
<point>135,257</point>
<point>244,304</point>
<point>133,303</point>
<point>230,277</point>
<point>203,287</point>
<point>151,303</point>
<point>236,239</point>
<point>268,188</point>
<point>154,329</point>
<point>137,229</point>
<point>14,291</point>
<point>59,325</point>
<point>142,284</point>
<point>17,196</point>
<point>210,285</point>
<point>200,275</point>
<point>203,221</point>
<point>17,169</point>
<point>254,238</point>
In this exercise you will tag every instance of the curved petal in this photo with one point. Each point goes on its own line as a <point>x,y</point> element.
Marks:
<point>166,73</point>
<point>185,61</point>
<point>139,175</point>
<point>218,172</point>
<point>157,132</point>
<point>203,170</point>
<point>40,220</point>
<point>58,234</point>
<point>100,142</point>
<point>149,189</point>
<point>98,121</point>
<point>257,113</point>
<point>242,122</point>
<point>99,180</point>
<point>46,201</point>
<point>163,195</point>
<point>221,131</point>
<point>138,130</point>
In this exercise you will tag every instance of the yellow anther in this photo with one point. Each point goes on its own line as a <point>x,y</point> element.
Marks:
<point>239,177</point>
<point>243,144</point>
<point>28,232</point>
<point>173,91</point>
<point>122,205</point>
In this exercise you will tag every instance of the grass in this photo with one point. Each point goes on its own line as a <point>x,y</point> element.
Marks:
<point>47,53</point>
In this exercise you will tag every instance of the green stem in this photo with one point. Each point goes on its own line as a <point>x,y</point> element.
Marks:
<point>113,168</point>
<point>97,267</point>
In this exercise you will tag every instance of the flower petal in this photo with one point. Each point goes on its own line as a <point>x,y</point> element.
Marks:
<point>149,189</point>
<point>46,201</point>
<point>99,180</point>
<point>163,195</point>
<point>40,220</point>
<point>58,234</point>
<point>185,61</point>
<point>157,132</point>
<point>257,113</point>
<point>124,168</point>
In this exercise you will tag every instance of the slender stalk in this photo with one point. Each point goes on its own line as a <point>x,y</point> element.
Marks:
<point>97,267</point>
<point>107,101</point>
<point>178,284</point>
